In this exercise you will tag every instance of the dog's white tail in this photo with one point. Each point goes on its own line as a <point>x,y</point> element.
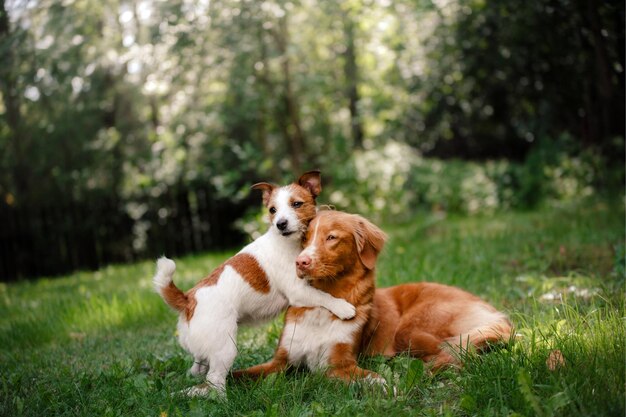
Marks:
<point>165,271</point>
<point>164,285</point>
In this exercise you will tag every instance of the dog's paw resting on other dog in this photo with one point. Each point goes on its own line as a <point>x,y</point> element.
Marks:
<point>256,284</point>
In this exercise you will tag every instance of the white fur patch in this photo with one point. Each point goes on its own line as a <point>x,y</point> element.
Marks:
<point>165,270</point>
<point>284,211</point>
<point>310,340</point>
<point>311,250</point>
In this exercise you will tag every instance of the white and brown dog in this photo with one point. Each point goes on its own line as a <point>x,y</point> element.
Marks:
<point>256,284</point>
<point>431,321</point>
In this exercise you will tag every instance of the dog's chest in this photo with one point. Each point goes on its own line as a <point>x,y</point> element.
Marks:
<point>278,262</point>
<point>311,339</point>
<point>261,307</point>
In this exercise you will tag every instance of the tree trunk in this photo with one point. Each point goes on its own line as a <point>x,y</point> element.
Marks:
<point>265,87</point>
<point>352,80</point>
<point>11,98</point>
<point>290,124</point>
<point>602,71</point>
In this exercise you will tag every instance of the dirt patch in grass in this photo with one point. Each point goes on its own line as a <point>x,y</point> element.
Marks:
<point>598,259</point>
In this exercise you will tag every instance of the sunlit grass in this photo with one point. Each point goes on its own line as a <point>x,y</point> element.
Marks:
<point>103,343</point>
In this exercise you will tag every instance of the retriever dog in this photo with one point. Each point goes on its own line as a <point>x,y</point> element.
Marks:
<point>430,321</point>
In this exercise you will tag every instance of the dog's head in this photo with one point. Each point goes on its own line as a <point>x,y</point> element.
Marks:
<point>336,243</point>
<point>292,207</point>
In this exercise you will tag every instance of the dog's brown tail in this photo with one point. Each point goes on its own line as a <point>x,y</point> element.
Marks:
<point>164,285</point>
<point>480,338</point>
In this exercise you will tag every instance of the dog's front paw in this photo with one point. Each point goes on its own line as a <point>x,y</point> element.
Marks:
<point>344,310</point>
<point>198,369</point>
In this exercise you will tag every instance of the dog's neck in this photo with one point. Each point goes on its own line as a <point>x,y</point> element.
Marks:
<point>356,287</point>
<point>284,244</point>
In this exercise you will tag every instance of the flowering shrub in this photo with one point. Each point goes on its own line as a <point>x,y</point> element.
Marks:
<point>394,180</point>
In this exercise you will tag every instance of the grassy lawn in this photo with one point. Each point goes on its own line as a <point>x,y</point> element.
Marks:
<point>103,343</point>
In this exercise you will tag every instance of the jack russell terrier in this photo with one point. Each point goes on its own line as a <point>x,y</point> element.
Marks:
<point>256,284</point>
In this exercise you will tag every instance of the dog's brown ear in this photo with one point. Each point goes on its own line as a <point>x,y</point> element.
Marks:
<point>312,181</point>
<point>267,188</point>
<point>369,241</point>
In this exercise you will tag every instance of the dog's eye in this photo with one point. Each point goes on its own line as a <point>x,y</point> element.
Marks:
<point>331,237</point>
<point>273,210</point>
<point>297,204</point>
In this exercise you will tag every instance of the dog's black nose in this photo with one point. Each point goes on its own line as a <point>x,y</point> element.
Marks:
<point>282,225</point>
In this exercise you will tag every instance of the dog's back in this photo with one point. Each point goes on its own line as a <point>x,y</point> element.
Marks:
<point>248,283</point>
<point>433,321</point>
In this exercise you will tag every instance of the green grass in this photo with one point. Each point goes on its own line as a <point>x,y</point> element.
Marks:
<point>103,343</point>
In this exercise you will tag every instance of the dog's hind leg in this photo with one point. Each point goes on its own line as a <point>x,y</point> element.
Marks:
<point>220,365</point>
<point>221,354</point>
<point>416,342</point>
<point>278,363</point>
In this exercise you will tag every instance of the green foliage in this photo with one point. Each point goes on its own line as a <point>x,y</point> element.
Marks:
<point>521,377</point>
<point>394,181</point>
<point>103,343</point>
<point>498,77</point>
<point>132,104</point>
<point>130,99</point>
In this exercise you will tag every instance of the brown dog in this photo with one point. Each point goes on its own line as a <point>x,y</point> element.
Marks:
<point>339,257</point>
<point>431,321</point>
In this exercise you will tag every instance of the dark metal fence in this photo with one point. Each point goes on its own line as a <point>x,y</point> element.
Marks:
<point>59,238</point>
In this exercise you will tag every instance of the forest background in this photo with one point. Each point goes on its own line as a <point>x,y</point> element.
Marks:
<point>129,129</point>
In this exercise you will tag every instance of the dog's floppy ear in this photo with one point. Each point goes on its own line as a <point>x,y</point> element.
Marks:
<point>267,188</point>
<point>369,241</point>
<point>312,181</point>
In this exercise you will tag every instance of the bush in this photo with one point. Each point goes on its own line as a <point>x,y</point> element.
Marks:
<point>392,181</point>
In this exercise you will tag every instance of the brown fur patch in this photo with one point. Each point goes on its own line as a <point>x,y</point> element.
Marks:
<point>342,355</point>
<point>307,211</point>
<point>295,314</point>
<point>312,181</point>
<point>380,329</point>
<point>205,282</point>
<point>277,364</point>
<point>248,267</point>
<point>267,189</point>
<point>419,318</point>
<point>174,297</point>
<point>343,364</point>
